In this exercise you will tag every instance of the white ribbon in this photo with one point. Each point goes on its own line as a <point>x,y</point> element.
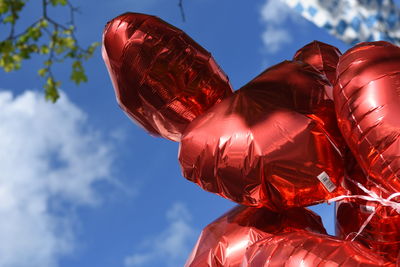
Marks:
<point>371,196</point>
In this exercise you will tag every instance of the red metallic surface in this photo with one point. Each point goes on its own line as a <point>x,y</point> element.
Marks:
<point>381,234</point>
<point>162,78</point>
<point>305,249</point>
<point>323,57</point>
<point>266,145</point>
<point>367,97</point>
<point>353,175</point>
<point>224,242</point>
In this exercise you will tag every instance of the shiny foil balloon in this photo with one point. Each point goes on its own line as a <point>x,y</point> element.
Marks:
<point>224,242</point>
<point>162,78</point>
<point>367,101</point>
<point>323,57</point>
<point>271,144</point>
<point>381,234</point>
<point>307,249</point>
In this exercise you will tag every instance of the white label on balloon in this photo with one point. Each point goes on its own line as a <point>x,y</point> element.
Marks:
<point>326,181</point>
<point>367,209</point>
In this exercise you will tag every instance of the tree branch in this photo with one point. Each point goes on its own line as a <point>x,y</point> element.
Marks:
<point>46,36</point>
<point>180,4</point>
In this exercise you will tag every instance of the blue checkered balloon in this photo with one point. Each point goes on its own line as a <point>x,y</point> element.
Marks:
<point>353,21</point>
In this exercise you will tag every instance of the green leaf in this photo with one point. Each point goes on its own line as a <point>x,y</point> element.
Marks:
<point>42,72</point>
<point>34,33</point>
<point>17,5</point>
<point>43,23</point>
<point>78,73</point>
<point>58,2</point>
<point>47,63</point>
<point>8,63</point>
<point>4,7</point>
<point>69,42</point>
<point>51,89</point>
<point>44,49</point>
<point>6,47</point>
<point>17,58</point>
<point>92,48</point>
<point>23,39</point>
<point>25,53</point>
<point>33,48</point>
<point>71,54</point>
<point>9,19</point>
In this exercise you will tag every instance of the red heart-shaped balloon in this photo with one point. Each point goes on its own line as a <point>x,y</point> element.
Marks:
<point>381,233</point>
<point>224,242</point>
<point>303,248</point>
<point>321,56</point>
<point>367,100</point>
<point>270,144</point>
<point>162,78</point>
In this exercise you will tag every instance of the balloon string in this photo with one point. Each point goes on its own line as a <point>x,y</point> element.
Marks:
<point>366,222</point>
<point>371,196</point>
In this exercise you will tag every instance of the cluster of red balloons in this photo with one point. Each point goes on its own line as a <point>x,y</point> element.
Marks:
<point>322,126</point>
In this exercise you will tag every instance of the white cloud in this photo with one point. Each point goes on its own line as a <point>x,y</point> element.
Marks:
<point>49,162</point>
<point>173,245</point>
<point>274,37</point>
<point>274,13</point>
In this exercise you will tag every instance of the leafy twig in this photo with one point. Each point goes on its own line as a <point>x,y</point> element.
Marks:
<point>45,36</point>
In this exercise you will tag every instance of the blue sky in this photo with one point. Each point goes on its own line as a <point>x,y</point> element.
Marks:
<point>81,185</point>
